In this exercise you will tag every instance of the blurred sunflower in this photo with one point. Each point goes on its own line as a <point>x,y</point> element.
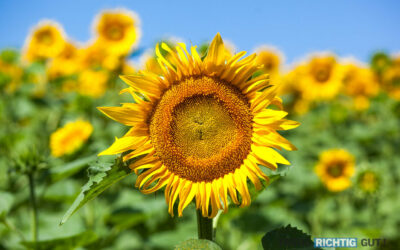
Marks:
<point>319,79</point>
<point>66,63</point>
<point>361,84</point>
<point>92,83</point>
<point>204,129</point>
<point>391,81</point>
<point>68,139</point>
<point>10,75</point>
<point>97,57</point>
<point>118,31</point>
<point>368,181</point>
<point>335,167</point>
<point>271,59</point>
<point>47,40</point>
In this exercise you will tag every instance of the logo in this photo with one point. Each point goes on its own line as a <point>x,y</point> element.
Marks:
<point>335,242</point>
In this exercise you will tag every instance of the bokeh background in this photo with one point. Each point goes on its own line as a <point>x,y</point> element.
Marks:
<point>339,67</point>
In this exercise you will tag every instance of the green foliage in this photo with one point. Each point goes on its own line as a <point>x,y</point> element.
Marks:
<point>66,243</point>
<point>101,177</point>
<point>64,171</point>
<point>6,200</point>
<point>287,238</point>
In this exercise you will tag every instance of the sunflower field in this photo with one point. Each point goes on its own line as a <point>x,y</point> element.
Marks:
<point>104,145</point>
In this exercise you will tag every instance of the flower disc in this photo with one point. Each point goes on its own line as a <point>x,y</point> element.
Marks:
<point>201,129</point>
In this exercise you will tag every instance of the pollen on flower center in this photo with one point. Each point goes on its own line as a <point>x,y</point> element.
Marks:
<point>201,128</point>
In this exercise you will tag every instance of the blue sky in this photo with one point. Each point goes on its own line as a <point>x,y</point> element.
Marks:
<point>347,27</point>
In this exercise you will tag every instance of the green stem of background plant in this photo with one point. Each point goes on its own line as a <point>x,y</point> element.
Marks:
<point>35,228</point>
<point>204,226</point>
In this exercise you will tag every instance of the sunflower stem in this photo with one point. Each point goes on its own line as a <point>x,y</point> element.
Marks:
<point>204,227</point>
<point>32,193</point>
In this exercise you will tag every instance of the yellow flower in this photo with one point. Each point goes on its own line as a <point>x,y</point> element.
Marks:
<point>118,31</point>
<point>97,57</point>
<point>361,84</point>
<point>149,63</point>
<point>391,81</point>
<point>368,181</point>
<point>45,41</point>
<point>66,63</point>
<point>10,75</point>
<point>128,68</point>
<point>202,129</point>
<point>272,59</point>
<point>335,167</point>
<point>68,139</point>
<point>319,79</point>
<point>92,83</point>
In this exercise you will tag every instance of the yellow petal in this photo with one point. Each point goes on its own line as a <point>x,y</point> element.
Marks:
<point>124,144</point>
<point>123,115</point>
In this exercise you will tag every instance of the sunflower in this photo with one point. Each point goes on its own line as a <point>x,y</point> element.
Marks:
<point>319,79</point>
<point>202,128</point>
<point>368,181</point>
<point>66,63</point>
<point>47,40</point>
<point>272,60</point>
<point>335,167</point>
<point>118,31</point>
<point>361,84</point>
<point>391,81</point>
<point>10,75</point>
<point>92,83</point>
<point>68,139</point>
<point>97,57</point>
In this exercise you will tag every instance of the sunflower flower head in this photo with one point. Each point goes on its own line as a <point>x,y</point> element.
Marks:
<point>66,63</point>
<point>391,81</point>
<point>202,128</point>
<point>270,58</point>
<point>368,181</point>
<point>319,79</point>
<point>335,167</point>
<point>92,83</point>
<point>361,84</point>
<point>97,57</point>
<point>118,31</point>
<point>10,75</point>
<point>70,138</point>
<point>47,40</point>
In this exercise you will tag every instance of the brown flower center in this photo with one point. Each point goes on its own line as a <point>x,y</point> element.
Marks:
<point>336,170</point>
<point>45,37</point>
<point>114,32</point>
<point>201,128</point>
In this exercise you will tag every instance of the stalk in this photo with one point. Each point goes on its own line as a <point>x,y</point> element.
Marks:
<point>204,226</point>
<point>35,228</point>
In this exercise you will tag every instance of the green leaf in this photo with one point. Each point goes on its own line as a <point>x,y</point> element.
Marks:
<point>195,244</point>
<point>6,200</point>
<point>101,177</point>
<point>71,242</point>
<point>288,238</point>
<point>65,171</point>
